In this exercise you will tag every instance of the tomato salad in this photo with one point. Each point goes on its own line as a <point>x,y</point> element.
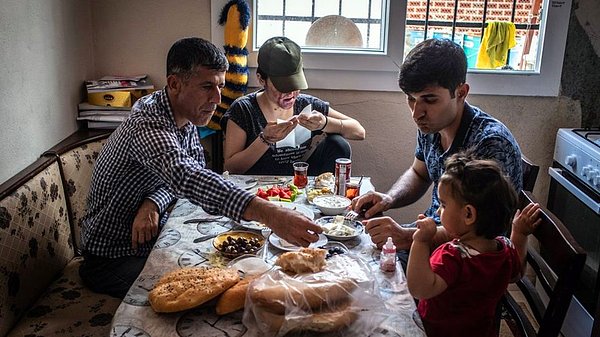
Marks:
<point>279,193</point>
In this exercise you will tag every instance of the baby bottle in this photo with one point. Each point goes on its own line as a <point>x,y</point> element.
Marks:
<point>387,262</point>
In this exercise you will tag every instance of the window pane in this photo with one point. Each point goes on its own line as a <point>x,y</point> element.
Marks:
<point>298,8</point>
<point>358,28</point>
<point>355,9</point>
<point>296,31</point>
<point>466,28</point>
<point>270,7</point>
<point>325,7</point>
<point>267,29</point>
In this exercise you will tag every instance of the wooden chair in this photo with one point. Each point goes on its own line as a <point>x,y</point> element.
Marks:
<point>530,173</point>
<point>557,271</point>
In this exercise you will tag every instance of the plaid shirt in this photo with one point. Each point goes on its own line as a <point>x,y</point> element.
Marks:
<point>148,157</point>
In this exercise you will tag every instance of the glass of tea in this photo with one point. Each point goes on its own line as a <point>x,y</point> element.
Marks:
<point>300,174</point>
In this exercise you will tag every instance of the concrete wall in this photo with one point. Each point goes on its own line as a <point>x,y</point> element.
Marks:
<point>50,47</point>
<point>45,54</point>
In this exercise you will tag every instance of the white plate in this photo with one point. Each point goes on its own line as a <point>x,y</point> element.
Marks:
<point>245,182</point>
<point>358,228</point>
<point>254,225</point>
<point>274,240</point>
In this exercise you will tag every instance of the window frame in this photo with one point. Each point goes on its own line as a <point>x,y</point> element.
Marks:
<point>352,71</point>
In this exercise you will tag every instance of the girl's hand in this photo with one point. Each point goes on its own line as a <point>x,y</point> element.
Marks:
<point>275,132</point>
<point>426,229</point>
<point>312,121</point>
<point>526,221</point>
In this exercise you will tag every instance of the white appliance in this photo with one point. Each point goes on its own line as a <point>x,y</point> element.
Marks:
<point>574,197</point>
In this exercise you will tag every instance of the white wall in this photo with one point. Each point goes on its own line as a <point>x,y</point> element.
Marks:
<point>45,54</point>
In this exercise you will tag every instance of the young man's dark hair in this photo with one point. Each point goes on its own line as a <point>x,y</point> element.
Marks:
<point>433,62</point>
<point>188,53</point>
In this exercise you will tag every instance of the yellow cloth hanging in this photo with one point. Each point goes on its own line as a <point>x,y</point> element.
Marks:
<point>498,38</point>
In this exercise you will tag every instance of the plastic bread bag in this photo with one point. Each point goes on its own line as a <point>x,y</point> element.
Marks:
<point>340,300</point>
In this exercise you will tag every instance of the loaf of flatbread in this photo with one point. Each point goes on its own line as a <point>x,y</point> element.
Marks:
<point>234,298</point>
<point>190,287</point>
<point>306,260</point>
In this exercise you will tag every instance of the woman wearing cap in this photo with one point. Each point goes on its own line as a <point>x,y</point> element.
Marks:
<point>255,123</point>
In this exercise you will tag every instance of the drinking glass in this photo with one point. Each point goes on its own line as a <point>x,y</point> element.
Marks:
<point>352,190</point>
<point>300,174</point>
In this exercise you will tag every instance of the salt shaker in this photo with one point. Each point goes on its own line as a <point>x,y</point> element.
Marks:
<point>387,262</point>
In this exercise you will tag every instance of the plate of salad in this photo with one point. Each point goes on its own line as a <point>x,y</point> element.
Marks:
<point>279,193</point>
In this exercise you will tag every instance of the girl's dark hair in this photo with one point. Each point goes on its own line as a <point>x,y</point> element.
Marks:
<point>482,184</point>
<point>189,53</point>
<point>433,62</point>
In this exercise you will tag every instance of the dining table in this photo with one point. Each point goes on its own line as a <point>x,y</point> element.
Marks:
<point>186,240</point>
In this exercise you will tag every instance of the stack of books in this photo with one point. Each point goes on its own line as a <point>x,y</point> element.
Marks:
<point>110,98</point>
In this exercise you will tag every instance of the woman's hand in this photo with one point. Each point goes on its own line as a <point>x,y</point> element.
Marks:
<point>275,132</point>
<point>313,121</point>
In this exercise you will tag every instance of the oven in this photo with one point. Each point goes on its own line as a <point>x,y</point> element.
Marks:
<point>574,197</point>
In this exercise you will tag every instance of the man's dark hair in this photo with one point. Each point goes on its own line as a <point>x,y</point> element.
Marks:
<point>433,62</point>
<point>187,54</point>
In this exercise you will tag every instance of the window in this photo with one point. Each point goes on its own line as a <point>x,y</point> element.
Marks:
<point>389,28</point>
<point>332,25</point>
<point>466,21</point>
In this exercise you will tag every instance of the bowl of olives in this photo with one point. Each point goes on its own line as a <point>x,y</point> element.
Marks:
<point>236,243</point>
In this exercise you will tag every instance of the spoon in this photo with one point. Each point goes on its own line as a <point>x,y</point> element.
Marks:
<point>266,232</point>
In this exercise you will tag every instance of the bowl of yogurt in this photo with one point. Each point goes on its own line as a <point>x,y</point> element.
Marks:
<point>331,204</point>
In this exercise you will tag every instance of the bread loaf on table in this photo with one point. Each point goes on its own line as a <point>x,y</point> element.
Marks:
<point>190,287</point>
<point>306,260</point>
<point>314,296</point>
<point>325,321</point>
<point>234,298</point>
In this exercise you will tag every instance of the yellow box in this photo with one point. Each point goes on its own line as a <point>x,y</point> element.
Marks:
<point>117,98</point>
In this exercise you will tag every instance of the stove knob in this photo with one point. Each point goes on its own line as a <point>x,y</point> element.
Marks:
<point>593,175</point>
<point>571,161</point>
<point>586,169</point>
<point>597,181</point>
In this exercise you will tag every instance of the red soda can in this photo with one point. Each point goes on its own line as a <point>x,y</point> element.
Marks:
<point>343,169</point>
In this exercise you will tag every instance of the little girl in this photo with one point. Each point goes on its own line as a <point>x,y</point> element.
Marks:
<point>460,283</point>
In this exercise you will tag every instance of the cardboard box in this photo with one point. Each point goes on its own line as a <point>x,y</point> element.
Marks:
<point>117,98</point>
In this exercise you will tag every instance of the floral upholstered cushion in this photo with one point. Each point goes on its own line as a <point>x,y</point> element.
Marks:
<point>35,243</point>
<point>68,309</point>
<point>78,165</point>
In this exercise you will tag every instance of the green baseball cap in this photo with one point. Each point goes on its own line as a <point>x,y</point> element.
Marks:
<point>281,59</point>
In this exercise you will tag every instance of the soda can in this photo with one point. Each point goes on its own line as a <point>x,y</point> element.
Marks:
<point>343,169</point>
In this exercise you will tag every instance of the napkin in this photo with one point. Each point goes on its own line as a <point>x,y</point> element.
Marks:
<point>298,136</point>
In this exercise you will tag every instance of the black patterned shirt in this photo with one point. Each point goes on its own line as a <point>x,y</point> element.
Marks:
<point>148,157</point>
<point>486,135</point>
<point>246,113</point>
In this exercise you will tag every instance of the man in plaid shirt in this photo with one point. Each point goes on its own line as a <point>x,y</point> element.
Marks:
<point>153,158</point>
